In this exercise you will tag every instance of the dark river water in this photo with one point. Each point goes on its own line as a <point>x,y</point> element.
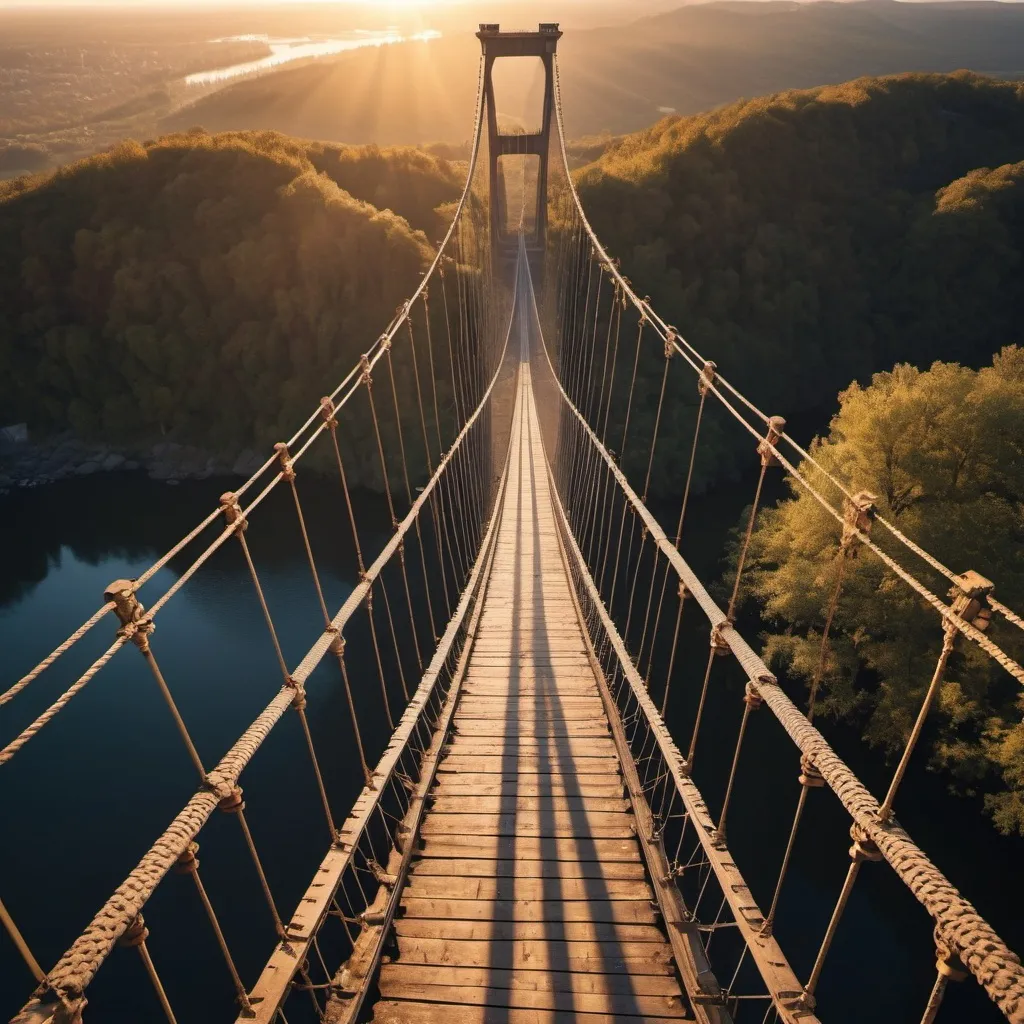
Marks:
<point>82,802</point>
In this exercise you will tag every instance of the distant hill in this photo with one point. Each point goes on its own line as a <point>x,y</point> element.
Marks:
<point>807,239</point>
<point>206,288</point>
<point>621,78</point>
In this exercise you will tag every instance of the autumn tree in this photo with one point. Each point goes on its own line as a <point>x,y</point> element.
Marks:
<point>943,452</point>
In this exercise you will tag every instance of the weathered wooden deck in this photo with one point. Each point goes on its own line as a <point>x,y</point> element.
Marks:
<point>529,902</point>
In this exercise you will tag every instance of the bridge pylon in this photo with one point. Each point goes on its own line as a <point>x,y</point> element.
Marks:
<point>497,44</point>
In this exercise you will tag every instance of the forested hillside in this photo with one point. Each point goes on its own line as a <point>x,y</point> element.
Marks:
<point>809,239</point>
<point>206,288</point>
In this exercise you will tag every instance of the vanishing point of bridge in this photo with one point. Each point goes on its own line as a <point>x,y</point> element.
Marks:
<point>522,838</point>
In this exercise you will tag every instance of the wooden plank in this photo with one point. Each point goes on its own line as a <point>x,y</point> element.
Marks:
<point>472,867</point>
<point>560,746</point>
<point>454,784</point>
<point>550,908</point>
<point>536,803</point>
<point>512,728</point>
<point>536,981</point>
<point>531,848</point>
<point>583,957</point>
<point>401,1012</point>
<point>501,763</point>
<point>530,706</point>
<point>614,936</point>
<point>566,1003</point>
<point>501,889</point>
<point>546,825</point>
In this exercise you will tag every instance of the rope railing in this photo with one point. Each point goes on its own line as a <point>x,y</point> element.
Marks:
<point>441,529</point>
<point>349,386</point>
<point>616,548</point>
<point>718,384</point>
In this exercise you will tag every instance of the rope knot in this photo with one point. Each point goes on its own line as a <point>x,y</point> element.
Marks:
<point>337,643</point>
<point>233,512</point>
<point>299,694</point>
<point>135,934</point>
<point>858,514</point>
<point>864,848</point>
<point>285,459</point>
<point>947,960</point>
<point>232,803</point>
<point>766,447</point>
<point>670,343</point>
<point>327,410</point>
<point>366,377</point>
<point>718,642</point>
<point>220,788</point>
<point>707,378</point>
<point>187,862</point>
<point>752,696</point>
<point>969,598</point>
<point>135,626</point>
<point>810,776</point>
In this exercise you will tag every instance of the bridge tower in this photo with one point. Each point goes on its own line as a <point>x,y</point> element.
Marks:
<point>496,44</point>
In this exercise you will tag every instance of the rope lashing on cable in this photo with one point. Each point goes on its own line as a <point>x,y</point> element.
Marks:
<point>135,626</point>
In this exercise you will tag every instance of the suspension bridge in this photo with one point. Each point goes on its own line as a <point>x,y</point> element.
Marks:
<point>532,843</point>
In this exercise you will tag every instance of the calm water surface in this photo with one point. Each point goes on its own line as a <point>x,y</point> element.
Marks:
<point>82,803</point>
<point>284,51</point>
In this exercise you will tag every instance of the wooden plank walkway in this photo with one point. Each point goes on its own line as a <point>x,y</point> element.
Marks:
<point>529,902</point>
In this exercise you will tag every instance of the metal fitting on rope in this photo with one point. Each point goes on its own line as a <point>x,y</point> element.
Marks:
<point>809,774</point>
<point>752,696</point>
<point>670,343</point>
<point>707,377</point>
<point>863,848</point>
<point>233,511</point>
<point>131,613</point>
<point>858,514</point>
<point>285,458</point>
<point>135,934</point>
<point>776,425</point>
<point>366,377</point>
<point>233,802</point>
<point>969,598</point>
<point>718,642</point>
<point>187,862</point>
<point>327,410</point>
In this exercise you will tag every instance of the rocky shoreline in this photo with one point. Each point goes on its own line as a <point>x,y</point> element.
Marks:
<point>35,463</point>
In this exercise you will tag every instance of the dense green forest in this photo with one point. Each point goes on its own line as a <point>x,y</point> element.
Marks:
<point>809,239</point>
<point>943,452</point>
<point>210,288</point>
